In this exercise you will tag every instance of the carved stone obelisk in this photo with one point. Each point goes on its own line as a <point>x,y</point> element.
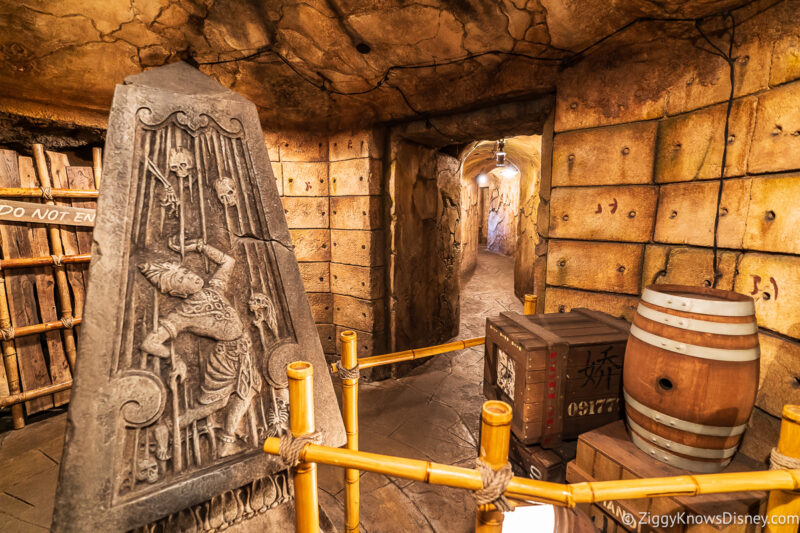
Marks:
<point>195,305</point>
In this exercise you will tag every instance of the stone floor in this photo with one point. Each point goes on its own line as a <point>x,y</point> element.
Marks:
<point>433,414</point>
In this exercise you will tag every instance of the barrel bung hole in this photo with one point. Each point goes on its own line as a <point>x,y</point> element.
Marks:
<point>665,384</point>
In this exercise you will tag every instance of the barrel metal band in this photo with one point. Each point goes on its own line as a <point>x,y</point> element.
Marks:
<point>684,425</point>
<point>703,352</point>
<point>698,305</point>
<point>702,467</point>
<point>692,324</point>
<point>677,447</point>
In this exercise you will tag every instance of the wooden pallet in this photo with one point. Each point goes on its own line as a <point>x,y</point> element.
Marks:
<point>607,453</point>
<point>32,293</point>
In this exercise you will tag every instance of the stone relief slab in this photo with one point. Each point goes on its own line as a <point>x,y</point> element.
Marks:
<point>195,306</point>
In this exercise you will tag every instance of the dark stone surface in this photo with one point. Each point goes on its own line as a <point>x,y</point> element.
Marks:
<point>195,306</point>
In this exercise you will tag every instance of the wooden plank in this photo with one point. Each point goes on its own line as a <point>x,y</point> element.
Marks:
<point>306,213</point>
<point>357,313</point>
<point>602,266</point>
<point>773,217</point>
<point>22,212</point>
<point>358,281</point>
<point>354,177</point>
<point>558,300</point>
<point>682,265</point>
<point>82,178</point>
<point>356,212</point>
<point>358,247</point>
<point>21,300</point>
<point>775,147</point>
<point>613,440</point>
<point>45,291</point>
<point>605,156</point>
<point>773,283</point>
<point>311,245</point>
<point>69,239</point>
<point>779,378</point>
<point>689,146</point>
<point>624,213</point>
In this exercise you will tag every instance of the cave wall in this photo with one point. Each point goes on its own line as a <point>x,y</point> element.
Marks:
<point>471,222</point>
<point>503,212</point>
<point>527,236</point>
<point>636,163</point>
<point>424,192</point>
<point>331,188</point>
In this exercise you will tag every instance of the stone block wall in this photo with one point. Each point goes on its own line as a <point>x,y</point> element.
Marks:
<point>636,166</point>
<point>331,187</point>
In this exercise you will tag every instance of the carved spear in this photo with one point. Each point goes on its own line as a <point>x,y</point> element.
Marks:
<point>177,458</point>
<point>199,162</point>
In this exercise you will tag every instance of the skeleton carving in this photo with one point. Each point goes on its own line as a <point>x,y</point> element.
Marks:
<point>226,191</point>
<point>148,470</point>
<point>261,306</point>
<point>181,162</point>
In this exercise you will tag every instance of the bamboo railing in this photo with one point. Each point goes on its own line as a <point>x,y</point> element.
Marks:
<point>784,500</point>
<point>350,410</point>
<point>496,419</point>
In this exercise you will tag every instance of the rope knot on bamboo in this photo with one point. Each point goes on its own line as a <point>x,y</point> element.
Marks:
<point>47,194</point>
<point>7,333</point>
<point>67,322</point>
<point>349,373</point>
<point>778,461</point>
<point>291,447</point>
<point>57,260</point>
<point>494,485</point>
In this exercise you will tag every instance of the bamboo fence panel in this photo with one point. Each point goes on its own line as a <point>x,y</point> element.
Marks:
<point>43,273</point>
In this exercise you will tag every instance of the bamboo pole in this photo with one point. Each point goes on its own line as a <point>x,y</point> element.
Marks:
<point>350,415</point>
<point>45,260</point>
<point>410,355</point>
<point>783,505</point>
<point>58,249</point>
<point>44,327</point>
<point>301,422</point>
<point>21,397</point>
<point>530,304</point>
<point>545,491</point>
<point>97,166</point>
<point>35,192</point>
<point>495,436</point>
<point>10,358</point>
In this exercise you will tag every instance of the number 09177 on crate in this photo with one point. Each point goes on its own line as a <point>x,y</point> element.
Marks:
<point>561,372</point>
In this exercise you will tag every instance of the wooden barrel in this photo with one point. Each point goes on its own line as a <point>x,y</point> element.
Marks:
<point>690,374</point>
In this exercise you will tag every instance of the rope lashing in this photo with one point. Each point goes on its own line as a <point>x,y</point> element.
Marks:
<point>67,322</point>
<point>47,194</point>
<point>7,333</point>
<point>291,447</point>
<point>494,485</point>
<point>57,260</point>
<point>778,461</point>
<point>349,373</point>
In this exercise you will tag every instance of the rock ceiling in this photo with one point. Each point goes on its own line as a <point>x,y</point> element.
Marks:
<point>393,59</point>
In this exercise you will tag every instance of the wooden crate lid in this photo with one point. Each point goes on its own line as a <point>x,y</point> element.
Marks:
<point>577,327</point>
<point>612,441</point>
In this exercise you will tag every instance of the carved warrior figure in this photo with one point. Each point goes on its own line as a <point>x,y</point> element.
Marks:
<point>230,379</point>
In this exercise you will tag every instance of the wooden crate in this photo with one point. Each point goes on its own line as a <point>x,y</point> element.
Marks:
<point>607,453</point>
<point>535,462</point>
<point>561,372</point>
